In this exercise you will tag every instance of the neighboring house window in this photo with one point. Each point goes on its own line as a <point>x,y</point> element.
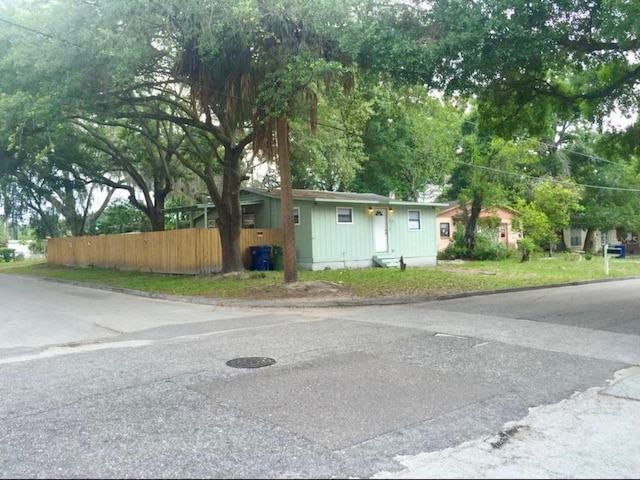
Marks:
<point>576,237</point>
<point>503,230</point>
<point>296,215</point>
<point>604,238</point>
<point>344,214</point>
<point>414,219</point>
<point>249,220</point>
<point>444,229</point>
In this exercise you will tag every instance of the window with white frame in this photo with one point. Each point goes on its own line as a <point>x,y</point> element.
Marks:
<point>413,217</point>
<point>444,230</point>
<point>296,215</point>
<point>344,214</point>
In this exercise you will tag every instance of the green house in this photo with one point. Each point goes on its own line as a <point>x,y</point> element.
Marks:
<point>342,230</point>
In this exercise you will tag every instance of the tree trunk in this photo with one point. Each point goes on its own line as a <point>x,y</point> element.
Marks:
<point>153,209</point>
<point>230,212</point>
<point>157,219</point>
<point>472,222</point>
<point>156,211</point>
<point>562,246</point>
<point>588,240</point>
<point>75,224</point>
<point>286,200</point>
<point>227,204</point>
<point>230,227</point>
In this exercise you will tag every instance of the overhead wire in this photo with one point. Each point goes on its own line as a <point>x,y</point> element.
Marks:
<point>351,133</point>
<point>43,34</point>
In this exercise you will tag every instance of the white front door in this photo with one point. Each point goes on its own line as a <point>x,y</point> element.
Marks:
<point>380,230</point>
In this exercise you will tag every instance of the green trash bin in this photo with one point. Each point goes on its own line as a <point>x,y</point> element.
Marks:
<point>278,257</point>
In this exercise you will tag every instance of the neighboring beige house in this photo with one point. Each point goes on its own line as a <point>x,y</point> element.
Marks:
<point>451,216</point>
<point>574,239</point>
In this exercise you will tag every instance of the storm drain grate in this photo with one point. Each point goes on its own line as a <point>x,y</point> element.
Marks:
<point>250,362</point>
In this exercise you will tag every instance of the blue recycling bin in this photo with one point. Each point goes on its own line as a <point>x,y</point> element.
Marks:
<point>260,257</point>
<point>621,250</point>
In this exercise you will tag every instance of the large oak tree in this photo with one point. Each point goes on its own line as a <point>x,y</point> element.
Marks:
<point>213,69</point>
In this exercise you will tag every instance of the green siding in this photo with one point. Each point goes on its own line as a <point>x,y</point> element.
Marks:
<point>267,212</point>
<point>341,242</point>
<point>269,215</point>
<point>275,212</point>
<point>351,242</point>
<point>304,237</point>
<point>321,239</point>
<point>412,243</point>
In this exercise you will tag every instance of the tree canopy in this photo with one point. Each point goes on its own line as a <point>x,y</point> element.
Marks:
<point>143,96</point>
<point>531,58</point>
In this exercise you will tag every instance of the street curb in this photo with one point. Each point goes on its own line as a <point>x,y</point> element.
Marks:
<point>310,303</point>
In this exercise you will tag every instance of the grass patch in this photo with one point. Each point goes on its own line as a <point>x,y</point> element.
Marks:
<point>444,279</point>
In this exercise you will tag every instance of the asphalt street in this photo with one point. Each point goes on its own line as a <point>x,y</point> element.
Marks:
<point>97,383</point>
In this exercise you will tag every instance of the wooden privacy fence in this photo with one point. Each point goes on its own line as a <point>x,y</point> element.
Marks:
<point>187,251</point>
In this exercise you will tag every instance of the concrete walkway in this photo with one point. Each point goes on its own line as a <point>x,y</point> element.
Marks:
<point>593,434</point>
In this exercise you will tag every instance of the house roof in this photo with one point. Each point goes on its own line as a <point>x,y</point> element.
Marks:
<point>319,196</point>
<point>338,197</point>
<point>455,205</point>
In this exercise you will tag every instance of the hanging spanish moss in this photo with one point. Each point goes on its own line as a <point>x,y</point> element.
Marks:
<point>264,128</point>
<point>224,84</point>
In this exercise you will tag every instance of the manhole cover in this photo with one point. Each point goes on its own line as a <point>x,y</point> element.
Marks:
<point>251,362</point>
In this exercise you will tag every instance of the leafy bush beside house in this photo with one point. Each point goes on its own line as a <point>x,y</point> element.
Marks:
<point>7,254</point>
<point>486,248</point>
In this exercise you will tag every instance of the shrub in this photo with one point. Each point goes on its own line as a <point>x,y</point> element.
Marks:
<point>527,246</point>
<point>454,251</point>
<point>486,248</point>
<point>38,246</point>
<point>7,254</point>
<point>456,248</point>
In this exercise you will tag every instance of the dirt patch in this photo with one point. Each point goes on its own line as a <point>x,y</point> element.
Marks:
<point>467,271</point>
<point>311,289</point>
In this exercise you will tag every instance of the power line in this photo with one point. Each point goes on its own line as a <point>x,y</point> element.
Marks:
<point>591,157</point>
<point>564,149</point>
<point>43,34</point>
<point>521,175</point>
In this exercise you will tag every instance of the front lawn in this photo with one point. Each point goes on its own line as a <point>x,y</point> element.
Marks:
<point>444,279</point>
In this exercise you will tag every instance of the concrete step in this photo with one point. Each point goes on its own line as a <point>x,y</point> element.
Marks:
<point>386,261</point>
